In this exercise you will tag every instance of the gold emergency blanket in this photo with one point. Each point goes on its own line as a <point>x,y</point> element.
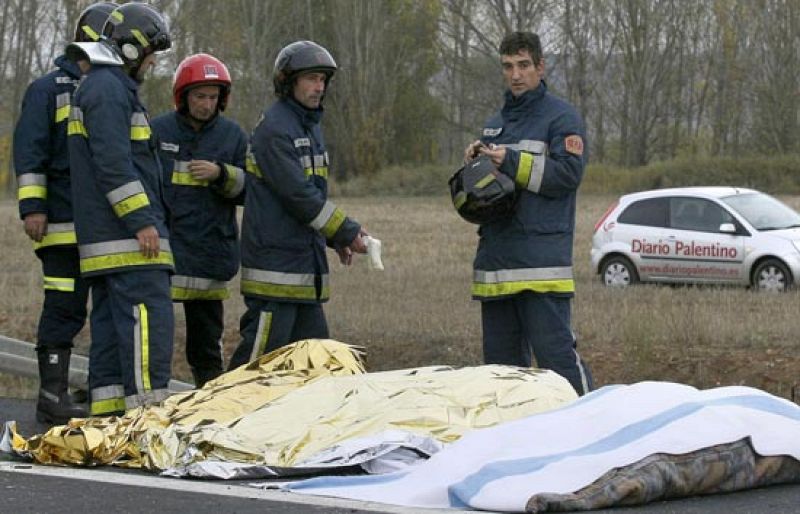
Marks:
<point>295,402</point>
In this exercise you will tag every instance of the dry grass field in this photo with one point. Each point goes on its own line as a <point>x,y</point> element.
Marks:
<point>418,312</point>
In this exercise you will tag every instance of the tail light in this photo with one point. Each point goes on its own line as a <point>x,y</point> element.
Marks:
<point>605,215</point>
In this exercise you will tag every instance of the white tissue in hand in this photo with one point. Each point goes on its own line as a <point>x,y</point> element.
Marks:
<point>374,252</point>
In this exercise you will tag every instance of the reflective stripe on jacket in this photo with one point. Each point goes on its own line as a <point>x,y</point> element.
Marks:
<point>41,158</point>
<point>202,215</point>
<point>287,216</point>
<point>532,250</point>
<point>116,175</point>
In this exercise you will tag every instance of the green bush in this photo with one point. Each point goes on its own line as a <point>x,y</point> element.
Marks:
<point>776,175</point>
<point>424,180</point>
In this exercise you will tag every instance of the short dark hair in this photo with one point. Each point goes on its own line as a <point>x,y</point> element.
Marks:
<point>515,42</point>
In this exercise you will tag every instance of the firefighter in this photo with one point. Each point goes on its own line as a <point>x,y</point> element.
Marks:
<point>119,215</point>
<point>523,266</point>
<point>288,218</point>
<point>41,162</point>
<point>203,156</point>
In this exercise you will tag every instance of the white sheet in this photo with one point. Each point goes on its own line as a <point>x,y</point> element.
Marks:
<point>564,450</point>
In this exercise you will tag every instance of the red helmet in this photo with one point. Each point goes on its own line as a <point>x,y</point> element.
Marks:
<point>201,70</point>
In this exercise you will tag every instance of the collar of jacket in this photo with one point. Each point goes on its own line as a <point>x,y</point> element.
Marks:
<point>517,106</point>
<point>127,80</point>
<point>308,117</point>
<point>68,66</point>
<point>185,124</point>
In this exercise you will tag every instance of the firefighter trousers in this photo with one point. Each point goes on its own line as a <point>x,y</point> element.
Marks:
<point>269,325</point>
<point>132,323</point>
<point>536,325</point>
<point>204,325</point>
<point>65,296</point>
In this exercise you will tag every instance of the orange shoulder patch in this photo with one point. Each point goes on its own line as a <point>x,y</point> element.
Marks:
<point>574,144</point>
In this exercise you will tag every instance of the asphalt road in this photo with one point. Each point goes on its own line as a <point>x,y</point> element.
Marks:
<point>28,488</point>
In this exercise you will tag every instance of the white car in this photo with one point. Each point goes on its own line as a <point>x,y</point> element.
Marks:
<point>710,235</point>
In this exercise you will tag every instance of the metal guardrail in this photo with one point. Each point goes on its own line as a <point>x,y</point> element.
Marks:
<point>19,358</point>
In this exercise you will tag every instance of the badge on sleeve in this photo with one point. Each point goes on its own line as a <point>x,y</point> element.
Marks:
<point>574,144</point>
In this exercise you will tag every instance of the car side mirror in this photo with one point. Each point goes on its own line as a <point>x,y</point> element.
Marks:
<point>727,228</point>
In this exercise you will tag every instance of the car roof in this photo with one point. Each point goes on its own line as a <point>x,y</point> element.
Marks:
<point>701,192</point>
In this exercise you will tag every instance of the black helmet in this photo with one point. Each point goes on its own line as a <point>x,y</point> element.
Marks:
<point>300,57</point>
<point>481,193</point>
<point>91,21</point>
<point>136,30</point>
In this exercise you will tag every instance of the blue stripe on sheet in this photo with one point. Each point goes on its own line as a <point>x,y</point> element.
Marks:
<point>462,492</point>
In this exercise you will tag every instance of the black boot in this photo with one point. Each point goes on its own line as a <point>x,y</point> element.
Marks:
<point>203,375</point>
<point>54,404</point>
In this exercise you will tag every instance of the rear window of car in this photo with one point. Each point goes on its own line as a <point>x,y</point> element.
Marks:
<point>651,212</point>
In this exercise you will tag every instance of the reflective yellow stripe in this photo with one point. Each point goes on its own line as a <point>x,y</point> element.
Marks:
<point>89,31</point>
<point>459,199</point>
<point>508,288</point>
<point>184,293</point>
<point>485,181</point>
<point>56,239</point>
<point>28,192</point>
<point>140,38</point>
<point>62,113</point>
<point>117,15</point>
<point>76,128</point>
<point>320,172</point>
<point>186,179</point>
<point>140,133</point>
<point>131,204</point>
<point>262,335</point>
<point>234,184</point>
<point>524,169</point>
<point>121,260</point>
<point>63,284</point>
<point>251,166</point>
<point>284,291</point>
<point>332,225</point>
<point>144,326</point>
<point>107,406</point>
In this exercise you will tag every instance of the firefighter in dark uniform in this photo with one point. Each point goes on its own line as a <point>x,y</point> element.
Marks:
<point>41,162</point>
<point>119,215</point>
<point>523,267</point>
<point>288,219</point>
<point>203,157</point>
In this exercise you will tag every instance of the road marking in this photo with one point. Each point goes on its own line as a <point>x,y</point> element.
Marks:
<point>219,488</point>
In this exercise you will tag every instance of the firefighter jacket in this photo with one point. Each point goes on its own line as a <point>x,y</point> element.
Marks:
<point>532,250</point>
<point>41,159</point>
<point>202,214</point>
<point>287,216</point>
<point>116,175</point>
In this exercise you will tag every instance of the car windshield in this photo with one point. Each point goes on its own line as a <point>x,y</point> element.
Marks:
<point>763,211</point>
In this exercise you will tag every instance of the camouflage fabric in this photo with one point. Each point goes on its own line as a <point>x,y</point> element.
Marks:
<point>717,469</point>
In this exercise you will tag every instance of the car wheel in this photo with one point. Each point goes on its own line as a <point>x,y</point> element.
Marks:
<point>771,275</point>
<point>618,272</point>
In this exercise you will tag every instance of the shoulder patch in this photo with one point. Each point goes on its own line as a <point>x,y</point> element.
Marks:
<point>302,141</point>
<point>574,144</point>
<point>170,147</point>
<point>66,80</point>
<point>492,132</point>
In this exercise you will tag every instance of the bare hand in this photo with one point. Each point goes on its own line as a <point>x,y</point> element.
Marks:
<point>358,245</point>
<point>148,241</point>
<point>345,255</point>
<point>497,153</point>
<point>35,225</point>
<point>472,150</point>
<point>204,170</point>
